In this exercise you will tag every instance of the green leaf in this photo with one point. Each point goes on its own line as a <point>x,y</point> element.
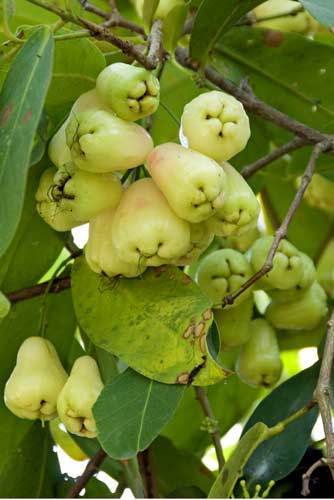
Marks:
<point>35,245</point>
<point>21,103</point>
<point>232,470</point>
<point>322,10</point>
<point>278,456</point>
<point>143,321</point>
<point>279,71</point>
<point>77,63</point>
<point>93,489</point>
<point>229,399</point>
<point>32,470</point>
<point>177,469</point>
<point>214,18</point>
<point>131,411</point>
<point>173,25</point>
<point>149,8</point>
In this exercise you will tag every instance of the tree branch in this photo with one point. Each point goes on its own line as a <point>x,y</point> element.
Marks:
<point>91,469</point>
<point>203,399</point>
<point>251,102</point>
<point>322,462</point>
<point>283,229</point>
<point>154,55</point>
<point>321,393</point>
<point>294,144</point>
<point>59,285</point>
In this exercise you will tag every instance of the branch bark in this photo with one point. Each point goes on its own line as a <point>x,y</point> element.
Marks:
<point>203,399</point>
<point>58,286</point>
<point>91,469</point>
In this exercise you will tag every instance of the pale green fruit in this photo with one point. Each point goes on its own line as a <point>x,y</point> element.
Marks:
<point>200,238</point>
<point>325,269</point>
<point>100,252</point>
<point>308,278</point>
<point>215,124</point>
<point>301,314</point>
<point>49,209</point>
<point>77,398</point>
<point>319,193</point>
<point>164,7</point>
<point>32,389</point>
<point>192,183</point>
<point>102,142</point>
<point>301,22</point>
<point>59,152</point>
<point>233,324</point>
<point>145,229</point>
<point>85,194</point>
<point>222,273</point>
<point>242,242</point>
<point>287,269</point>
<point>130,91</point>
<point>259,361</point>
<point>240,210</point>
<point>5,306</point>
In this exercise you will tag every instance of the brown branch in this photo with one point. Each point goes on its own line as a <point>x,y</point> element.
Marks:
<point>322,462</point>
<point>147,471</point>
<point>283,229</point>
<point>203,399</point>
<point>321,393</point>
<point>89,7</point>
<point>251,102</point>
<point>155,51</point>
<point>91,469</point>
<point>59,285</point>
<point>294,144</point>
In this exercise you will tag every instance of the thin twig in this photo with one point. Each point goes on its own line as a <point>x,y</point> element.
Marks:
<point>321,393</point>
<point>59,285</point>
<point>91,469</point>
<point>322,462</point>
<point>251,102</point>
<point>283,229</point>
<point>203,399</point>
<point>294,144</point>
<point>154,55</point>
<point>89,7</point>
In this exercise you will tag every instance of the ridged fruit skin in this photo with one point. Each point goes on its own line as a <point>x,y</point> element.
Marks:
<point>233,324</point>
<point>200,238</point>
<point>76,400</point>
<point>287,271</point>
<point>301,22</point>
<point>131,92</point>
<point>215,124</point>
<point>240,211</point>
<point>192,183</point>
<point>100,252</point>
<point>145,230</point>
<point>101,142</point>
<point>223,272</point>
<point>33,388</point>
<point>259,362</point>
<point>305,313</point>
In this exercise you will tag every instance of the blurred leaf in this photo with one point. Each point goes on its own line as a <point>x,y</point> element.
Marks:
<point>149,8</point>
<point>131,411</point>
<point>214,18</point>
<point>232,470</point>
<point>322,10</point>
<point>298,339</point>
<point>278,67</point>
<point>143,321</point>
<point>176,470</point>
<point>32,469</point>
<point>35,245</point>
<point>173,25</point>
<point>76,66</point>
<point>278,456</point>
<point>21,103</point>
<point>230,400</point>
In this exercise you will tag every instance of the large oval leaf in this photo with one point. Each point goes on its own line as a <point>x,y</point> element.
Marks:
<point>278,66</point>
<point>214,18</point>
<point>278,456</point>
<point>131,411</point>
<point>322,10</point>
<point>156,323</point>
<point>21,103</point>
